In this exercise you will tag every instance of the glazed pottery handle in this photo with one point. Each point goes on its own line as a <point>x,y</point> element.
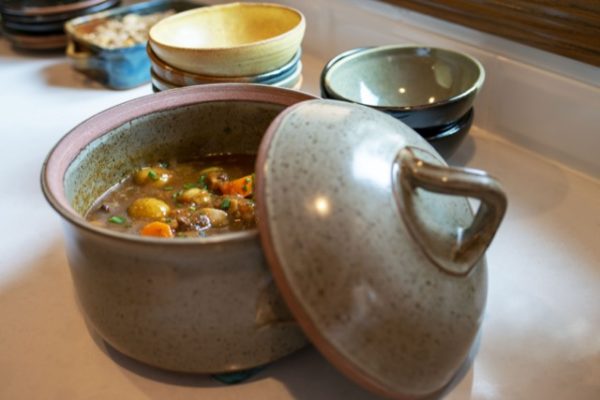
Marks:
<point>469,244</point>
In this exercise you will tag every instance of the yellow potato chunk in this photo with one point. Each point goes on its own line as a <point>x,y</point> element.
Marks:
<point>218,218</point>
<point>188,195</point>
<point>155,176</point>
<point>148,207</point>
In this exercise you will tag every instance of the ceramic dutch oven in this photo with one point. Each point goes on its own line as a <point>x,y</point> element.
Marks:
<point>364,229</point>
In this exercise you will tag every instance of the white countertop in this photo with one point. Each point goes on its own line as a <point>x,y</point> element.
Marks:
<point>541,334</point>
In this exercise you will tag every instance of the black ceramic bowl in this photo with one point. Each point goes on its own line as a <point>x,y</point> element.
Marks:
<point>35,40</point>
<point>446,139</point>
<point>45,7</point>
<point>61,16</point>
<point>40,27</point>
<point>424,87</point>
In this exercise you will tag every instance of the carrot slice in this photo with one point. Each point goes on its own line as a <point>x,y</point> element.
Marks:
<point>241,187</point>
<point>157,229</point>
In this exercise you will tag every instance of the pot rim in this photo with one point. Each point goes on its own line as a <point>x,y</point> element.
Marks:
<point>73,142</point>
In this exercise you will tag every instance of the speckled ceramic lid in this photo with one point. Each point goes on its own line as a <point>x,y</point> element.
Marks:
<point>384,274</point>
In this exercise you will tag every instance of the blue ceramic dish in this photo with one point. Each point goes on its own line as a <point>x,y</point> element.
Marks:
<point>117,68</point>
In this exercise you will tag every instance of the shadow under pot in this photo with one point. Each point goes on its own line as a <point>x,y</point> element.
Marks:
<point>368,238</point>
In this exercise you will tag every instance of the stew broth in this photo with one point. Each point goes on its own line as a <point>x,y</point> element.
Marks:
<point>208,196</point>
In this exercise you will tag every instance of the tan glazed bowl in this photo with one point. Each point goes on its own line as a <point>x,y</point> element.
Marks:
<point>204,305</point>
<point>238,39</point>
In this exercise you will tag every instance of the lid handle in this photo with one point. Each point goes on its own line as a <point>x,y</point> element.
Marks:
<point>461,255</point>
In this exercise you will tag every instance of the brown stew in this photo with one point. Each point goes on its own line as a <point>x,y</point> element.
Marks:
<point>205,197</point>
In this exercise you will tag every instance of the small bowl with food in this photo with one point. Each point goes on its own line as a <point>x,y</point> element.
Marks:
<point>157,196</point>
<point>110,46</point>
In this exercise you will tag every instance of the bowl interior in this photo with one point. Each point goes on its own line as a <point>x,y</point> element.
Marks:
<point>403,76</point>
<point>183,133</point>
<point>225,26</point>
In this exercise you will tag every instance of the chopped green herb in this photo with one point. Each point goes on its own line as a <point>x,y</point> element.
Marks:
<point>225,204</point>
<point>202,182</point>
<point>192,208</point>
<point>189,186</point>
<point>168,188</point>
<point>177,194</point>
<point>152,175</point>
<point>247,180</point>
<point>117,220</point>
<point>245,188</point>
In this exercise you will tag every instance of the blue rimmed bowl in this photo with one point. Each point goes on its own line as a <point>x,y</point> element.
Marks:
<point>178,77</point>
<point>290,81</point>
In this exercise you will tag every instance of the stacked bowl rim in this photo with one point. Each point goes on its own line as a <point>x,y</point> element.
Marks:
<point>292,81</point>
<point>178,77</point>
<point>36,11</point>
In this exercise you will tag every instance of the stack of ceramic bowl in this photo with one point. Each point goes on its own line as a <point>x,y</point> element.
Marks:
<point>429,89</point>
<point>241,42</point>
<point>38,24</point>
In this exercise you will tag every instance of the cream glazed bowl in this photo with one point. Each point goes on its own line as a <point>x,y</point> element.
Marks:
<point>236,39</point>
<point>205,305</point>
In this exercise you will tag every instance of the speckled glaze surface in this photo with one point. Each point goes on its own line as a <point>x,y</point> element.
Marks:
<point>423,87</point>
<point>236,39</point>
<point>204,305</point>
<point>364,285</point>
